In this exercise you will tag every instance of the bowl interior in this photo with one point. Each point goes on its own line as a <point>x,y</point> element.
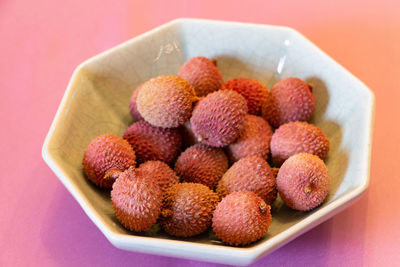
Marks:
<point>98,97</point>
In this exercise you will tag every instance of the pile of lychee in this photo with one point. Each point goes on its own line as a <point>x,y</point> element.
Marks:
<point>203,153</point>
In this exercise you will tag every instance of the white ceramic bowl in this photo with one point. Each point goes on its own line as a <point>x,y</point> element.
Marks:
<point>96,102</point>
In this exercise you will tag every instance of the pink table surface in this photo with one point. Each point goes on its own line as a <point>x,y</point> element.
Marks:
<point>42,41</point>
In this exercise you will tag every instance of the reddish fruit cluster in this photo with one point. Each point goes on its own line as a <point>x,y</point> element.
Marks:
<point>188,129</point>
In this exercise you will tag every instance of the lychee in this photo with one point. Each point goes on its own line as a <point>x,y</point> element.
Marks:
<point>298,137</point>
<point>252,90</point>
<point>241,218</point>
<point>291,99</point>
<point>136,202</point>
<point>153,143</point>
<point>303,181</point>
<point>105,158</point>
<point>218,119</point>
<point>159,171</point>
<point>166,101</point>
<point>202,74</point>
<point>187,209</point>
<point>202,164</point>
<point>254,140</point>
<point>251,174</point>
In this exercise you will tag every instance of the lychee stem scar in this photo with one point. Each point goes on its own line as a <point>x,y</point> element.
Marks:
<point>263,207</point>
<point>308,188</point>
<point>112,174</point>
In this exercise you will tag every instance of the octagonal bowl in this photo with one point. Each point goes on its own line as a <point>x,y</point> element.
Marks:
<point>96,102</point>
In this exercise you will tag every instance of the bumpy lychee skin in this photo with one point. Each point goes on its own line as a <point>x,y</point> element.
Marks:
<point>187,209</point>
<point>298,137</point>
<point>166,101</point>
<point>137,202</point>
<point>105,158</point>
<point>132,105</point>
<point>153,143</point>
<point>241,218</point>
<point>254,140</point>
<point>291,100</point>
<point>303,181</point>
<point>218,119</point>
<point>158,171</point>
<point>202,164</point>
<point>254,91</point>
<point>202,74</point>
<point>251,174</point>
<point>270,110</point>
